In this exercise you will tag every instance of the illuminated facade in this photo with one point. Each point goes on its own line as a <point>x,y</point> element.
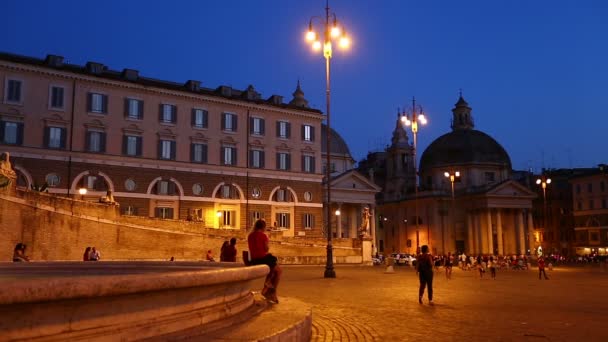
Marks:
<point>221,156</point>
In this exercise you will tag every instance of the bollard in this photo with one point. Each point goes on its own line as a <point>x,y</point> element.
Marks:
<point>389,265</point>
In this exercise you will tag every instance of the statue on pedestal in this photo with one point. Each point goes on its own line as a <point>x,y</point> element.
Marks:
<point>7,174</point>
<point>365,225</point>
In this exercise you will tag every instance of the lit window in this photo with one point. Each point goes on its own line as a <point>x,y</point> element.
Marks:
<point>229,122</point>
<point>135,109</point>
<point>309,221</point>
<point>228,155</point>
<point>52,179</point>
<point>283,161</point>
<point>256,159</point>
<point>308,133</point>
<point>308,164</point>
<point>199,118</point>
<point>56,137</point>
<point>283,220</point>
<point>283,129</point>
<point>98,103</point>
<point>167,149</point>
<point>168,113</point>
<point>11,133</point>
<point>257,126</point>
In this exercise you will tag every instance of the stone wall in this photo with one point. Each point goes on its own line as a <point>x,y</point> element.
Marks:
<point>59,228</point>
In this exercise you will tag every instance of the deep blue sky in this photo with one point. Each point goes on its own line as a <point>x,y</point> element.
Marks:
<point>534,72</point>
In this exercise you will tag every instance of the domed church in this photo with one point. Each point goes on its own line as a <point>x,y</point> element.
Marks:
<point>482,211</point>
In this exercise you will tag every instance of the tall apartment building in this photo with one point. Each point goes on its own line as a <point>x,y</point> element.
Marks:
<point>222,156</point>
<point>590,207</point>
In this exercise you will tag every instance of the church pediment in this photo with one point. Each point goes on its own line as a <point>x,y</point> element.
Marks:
<point>353,180</point>
<point>511,189</point>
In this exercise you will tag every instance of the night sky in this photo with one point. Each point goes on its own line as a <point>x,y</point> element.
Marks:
<point>534,72</point>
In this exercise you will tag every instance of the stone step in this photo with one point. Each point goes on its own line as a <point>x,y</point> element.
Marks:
<point>290,320</point>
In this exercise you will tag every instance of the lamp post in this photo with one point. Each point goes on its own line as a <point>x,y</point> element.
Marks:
<point>452,175</point>
<point>412,120</point>
<point>331,30</point>
<point>82,192</point>
<point>543,181</point>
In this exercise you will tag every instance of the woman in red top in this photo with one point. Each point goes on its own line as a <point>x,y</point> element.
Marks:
<point>258,249</point>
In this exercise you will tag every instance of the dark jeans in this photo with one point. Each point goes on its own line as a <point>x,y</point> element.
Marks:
<point>542,271</point>
<point>426,280</point>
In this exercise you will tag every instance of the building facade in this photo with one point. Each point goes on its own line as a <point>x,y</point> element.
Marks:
<point>223,157</point>
<point>590,208</point>
<point>486,213</point>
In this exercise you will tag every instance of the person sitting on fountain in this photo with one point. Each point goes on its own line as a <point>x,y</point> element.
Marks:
<point>258,248</point>
<point>19,253</point>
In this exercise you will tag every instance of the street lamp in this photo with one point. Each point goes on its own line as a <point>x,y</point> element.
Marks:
<point>331,30</point>
<point>82,192</point>
<point>543,181</point>
<point>452,176</point>
<point>412,121</point>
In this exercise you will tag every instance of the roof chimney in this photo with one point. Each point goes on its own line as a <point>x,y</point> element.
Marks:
<point>54,61</point>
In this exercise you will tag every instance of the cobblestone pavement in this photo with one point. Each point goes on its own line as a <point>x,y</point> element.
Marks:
<point>365,304</point>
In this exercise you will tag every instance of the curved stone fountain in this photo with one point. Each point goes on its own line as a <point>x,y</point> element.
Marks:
<point>121,300</point>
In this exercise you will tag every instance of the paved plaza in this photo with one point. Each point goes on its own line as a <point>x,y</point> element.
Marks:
<point>365,304</point>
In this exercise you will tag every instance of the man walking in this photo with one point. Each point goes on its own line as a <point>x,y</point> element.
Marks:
<point>424,269</point>
<point>541,268</point>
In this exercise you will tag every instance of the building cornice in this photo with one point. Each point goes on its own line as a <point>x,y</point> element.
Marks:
<point>157,90</point>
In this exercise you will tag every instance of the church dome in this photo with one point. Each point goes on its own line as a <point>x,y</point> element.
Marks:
<point>338,145</point>
<point>466,146</point>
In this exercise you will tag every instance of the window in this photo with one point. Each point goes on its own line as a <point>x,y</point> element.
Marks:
<point>197,189</point>
<point>132,145</point>
<point>52,179</point>
<point>589,187</point>
<point>594,236</point>
<point>580,205</point>
<point>229,192</point>
<point>89,182</point>
<point>308,133</point>
<point>256,192</point>
<point>55,137</point>
<point>602,186</point>
<point>591,204</point>
<point>129,210</point>
<point>308,196</point>
<point>256,159</point>
<point>578,188</point>
<point>165,187</point>
<point>228,219</point>
<point>11,133</point>
<point>199,118</point>
<point>283,129</point>
<point>57,97</point>
<point>228,154</point>
<point>130,184</point>
<point>163,213</point>
<point>490,176</point>
<point>229,122</point>
<point>282,195</point>
<point>604,203</point>
<point>166,149</point>
<point>308,221</point>
<point>134,109</point>
<point>95,141</point>
<point>13,91</point>
<point>283,161</point>
<point>198,153</point>
<point>167,114</point>
<point>98,103</point>
<point>256,215</point>
<point>283,220</point>
<point>333,167</point>
<point>256,126</point>
<point>308,164</point>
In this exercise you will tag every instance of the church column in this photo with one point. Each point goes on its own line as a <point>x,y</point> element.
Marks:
<point>372,224</point>
<point>530,230</point>
<point>499,231</point>
<point>520,231</point>
<point>339,222</point>
<point>352,229</point>
<point>480,233</point>
<point>470,240</point>
<point>490,249</point>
